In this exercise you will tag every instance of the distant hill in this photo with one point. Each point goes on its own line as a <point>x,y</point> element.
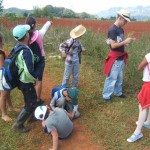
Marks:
<point>49,10</point>
<point>16,10</point>
<point>139,12</point>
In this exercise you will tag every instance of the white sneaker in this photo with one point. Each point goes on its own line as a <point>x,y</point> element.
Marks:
<point>134,137</point>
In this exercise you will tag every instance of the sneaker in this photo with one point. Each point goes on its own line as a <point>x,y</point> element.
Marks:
<point>144,125</point>
<point>107,100</point>
<point>122,96</point>
<point>134,137</point>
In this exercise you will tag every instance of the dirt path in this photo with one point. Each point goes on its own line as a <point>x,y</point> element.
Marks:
<point>79,139</point>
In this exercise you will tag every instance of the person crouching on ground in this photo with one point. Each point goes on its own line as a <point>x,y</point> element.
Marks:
<point>66,98</point>
<point>56,123</point>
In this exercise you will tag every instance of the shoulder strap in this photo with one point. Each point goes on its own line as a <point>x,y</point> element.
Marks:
<point>58,94</point>
<point>16,50</point>
<point>67,51</point>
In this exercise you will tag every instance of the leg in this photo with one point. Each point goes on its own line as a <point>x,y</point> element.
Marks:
<point>30,100</point>
<point>67,73</point>
<point>147,122</point>
<point>39,69</point>
<point>110,81</point>
<point>38,88</point>
<point>118,85</point>
<point>3,99</point>
<point>9,104</point>
<point>72,110</point>
<point>75,74</point>
<point>137,133</point>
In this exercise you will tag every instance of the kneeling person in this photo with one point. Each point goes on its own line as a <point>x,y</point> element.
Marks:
<point>66,98</point>
<point>56,123</point>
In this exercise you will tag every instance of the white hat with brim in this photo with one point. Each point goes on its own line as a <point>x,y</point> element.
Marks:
<point>40,112</point>
<point>124,14</point>
<point>77,31</point>
<point>20,31</point>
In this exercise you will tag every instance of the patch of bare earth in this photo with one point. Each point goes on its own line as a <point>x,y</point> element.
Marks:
<point>79,139</point>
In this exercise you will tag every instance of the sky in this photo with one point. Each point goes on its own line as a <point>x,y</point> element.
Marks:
<point>89,6</point>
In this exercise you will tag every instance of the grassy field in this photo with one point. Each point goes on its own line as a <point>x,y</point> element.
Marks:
<point>110,124</point>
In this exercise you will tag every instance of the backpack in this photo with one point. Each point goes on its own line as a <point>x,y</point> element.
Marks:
<point>57,89</point>
<point>9,71</point>
<point>36,52</point>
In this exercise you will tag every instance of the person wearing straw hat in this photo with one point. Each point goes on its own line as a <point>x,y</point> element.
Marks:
<point>71,50</point>
<point>114,62</point>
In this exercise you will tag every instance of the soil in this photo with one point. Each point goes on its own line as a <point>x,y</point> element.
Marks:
<point>80,138</point>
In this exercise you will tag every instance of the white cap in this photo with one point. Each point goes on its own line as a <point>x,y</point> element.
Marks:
<point>40,112</point>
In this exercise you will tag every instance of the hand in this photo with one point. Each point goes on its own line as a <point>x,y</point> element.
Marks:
<point>83,49</point>
<point>63,54</point>
<point>129,40</point>
<point>51,22</point>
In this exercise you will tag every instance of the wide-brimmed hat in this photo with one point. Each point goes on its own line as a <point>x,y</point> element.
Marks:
<point>20,31</point>
<point>125,14</point>
<point>73,94</point>
<point>77,31</point>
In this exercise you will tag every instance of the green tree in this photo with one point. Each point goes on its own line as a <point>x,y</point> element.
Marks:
<point>1,6</point>
<point>37,12</point>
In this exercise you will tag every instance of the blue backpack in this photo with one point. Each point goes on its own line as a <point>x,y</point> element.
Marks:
<point>9,71</point>
<point>57,89</point>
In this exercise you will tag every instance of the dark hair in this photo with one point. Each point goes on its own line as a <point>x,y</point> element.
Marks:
<point>31,21</point>
<point>1,37</point>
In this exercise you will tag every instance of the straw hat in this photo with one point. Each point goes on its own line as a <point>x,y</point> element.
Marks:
<point>125,14</point>
<point>77,31</point>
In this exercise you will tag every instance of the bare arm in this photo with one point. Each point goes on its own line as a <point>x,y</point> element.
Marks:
<point>55,139</point>
<point>1,60</point>
<point>142,64</point>
<point>114,44</point>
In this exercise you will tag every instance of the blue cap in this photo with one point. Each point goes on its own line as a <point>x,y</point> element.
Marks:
<point>20,30</point>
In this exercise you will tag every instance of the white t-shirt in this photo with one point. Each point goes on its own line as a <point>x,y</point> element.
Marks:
<point>146,71</point>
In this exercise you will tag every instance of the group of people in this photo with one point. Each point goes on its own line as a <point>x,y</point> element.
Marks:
<point>113,69</point>
<point>64,102</point>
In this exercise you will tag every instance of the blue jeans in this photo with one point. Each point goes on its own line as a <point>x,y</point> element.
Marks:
<point>113,82</point>
<point>73,69</point>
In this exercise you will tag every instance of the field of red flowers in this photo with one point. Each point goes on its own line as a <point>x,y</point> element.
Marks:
<point>134,28</point>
